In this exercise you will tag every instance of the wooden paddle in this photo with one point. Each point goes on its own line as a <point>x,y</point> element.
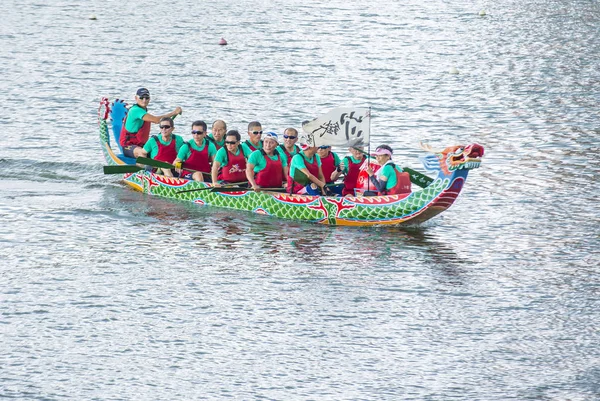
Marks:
<point>207,188</point>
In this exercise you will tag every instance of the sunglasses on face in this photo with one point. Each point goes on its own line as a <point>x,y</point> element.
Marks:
<point>256,132</point>
<point>324,147</point>
<point>289,137</point>
<point>197,132</point>
<point>145,97</point>
<point>164,126</point>
<point>230,142</point>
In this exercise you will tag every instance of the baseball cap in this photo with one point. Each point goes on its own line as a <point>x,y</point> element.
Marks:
<point>143,92</point>
<point>270,135</point>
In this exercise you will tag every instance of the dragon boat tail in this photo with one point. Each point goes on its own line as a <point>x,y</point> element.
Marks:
<point>452,165</point>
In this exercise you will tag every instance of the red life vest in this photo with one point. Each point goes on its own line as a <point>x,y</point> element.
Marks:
<point>328,166</point>
<point>272,175</point>
<point>166,153</point>
<point>312,168</point>
<point>402,183</point>
<point>251,145</point>
<point>135,138</point>
<point>351,176</point>
<point>198,160</point>
<point>214,141</point>
<point>235,168</point>
<point>288,154</point>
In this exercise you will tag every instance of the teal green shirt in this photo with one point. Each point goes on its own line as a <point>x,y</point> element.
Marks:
<point>281,151</point>
<point>185,152</point>
<point>221,156</point>
<point>135,118</point>
<point>220,143</point>
<point>298,162</point>
<point>387,171</point>
<point>344,163</point>
<point>260,163</point>
<point>152,147</point>
<point>247,149</point>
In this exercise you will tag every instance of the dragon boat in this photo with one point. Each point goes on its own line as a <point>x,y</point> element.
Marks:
<point>431,198</point>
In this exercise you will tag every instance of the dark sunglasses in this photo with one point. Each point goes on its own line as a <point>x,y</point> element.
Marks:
<point>198,132</point>
<point>256,132</point>
<point>324,147</point>
<point>230,142</point>
<point>144,97</point>
<point>165,126</point>
<point>289,137</point>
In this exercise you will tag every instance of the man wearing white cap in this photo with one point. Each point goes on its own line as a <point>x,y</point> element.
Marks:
<point>389,179</point>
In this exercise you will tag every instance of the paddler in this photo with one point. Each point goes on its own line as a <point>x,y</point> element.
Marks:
<point>229,165</point>
<point>306,175</point>
<point>350,165</point>
<point>389,179</point>
<point>197,154</point>
<point>289,148</point>
<point>165,146</point>
<point>266,168</point>
<point>254,133</point>
<point>217,135</point>
<point>136,128</point>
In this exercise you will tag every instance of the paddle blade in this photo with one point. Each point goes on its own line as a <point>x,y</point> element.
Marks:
<point>229,189</point>
<point>121,169</point>
<point>300,178</point>
<point>154,163</point>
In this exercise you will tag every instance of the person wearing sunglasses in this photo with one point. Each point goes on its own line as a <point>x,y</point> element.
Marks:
<point>229,165</point>
<point>306,175</point>
<point>329,162</point>
<point>136,129</point>
<point>266,168</point>
<point>217,135</point>
<point>289,148</point>
<point>196,154</point>
<point>164,147</point>
<point>255,142</point>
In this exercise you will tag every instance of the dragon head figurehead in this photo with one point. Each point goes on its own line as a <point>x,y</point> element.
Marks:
<point>459,157</point>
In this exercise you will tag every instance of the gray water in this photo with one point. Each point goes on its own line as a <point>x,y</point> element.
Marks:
<point>108,294</point>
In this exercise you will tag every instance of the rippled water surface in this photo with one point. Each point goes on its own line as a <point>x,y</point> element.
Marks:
<point>109,294</point>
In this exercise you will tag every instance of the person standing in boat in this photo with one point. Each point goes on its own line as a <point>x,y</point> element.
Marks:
<point>255,142</point>
<point>289,148</point>
<point>165,146</point>
<point>217,135</point>
<point>306,175</point>
<point>389,179</point>
<point>230,162</point>
<point>266,168</point>
<point>350,166</point>
<point>136,127</point>
<point>329,163</point>
<point>197,154</point>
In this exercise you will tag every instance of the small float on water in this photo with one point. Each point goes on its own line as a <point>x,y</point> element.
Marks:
<point>435,196</point>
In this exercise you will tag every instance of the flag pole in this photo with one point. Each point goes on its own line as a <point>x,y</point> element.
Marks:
<point>369,150</point>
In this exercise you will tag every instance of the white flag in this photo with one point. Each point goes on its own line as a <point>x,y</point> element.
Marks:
<point>344,126</point>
